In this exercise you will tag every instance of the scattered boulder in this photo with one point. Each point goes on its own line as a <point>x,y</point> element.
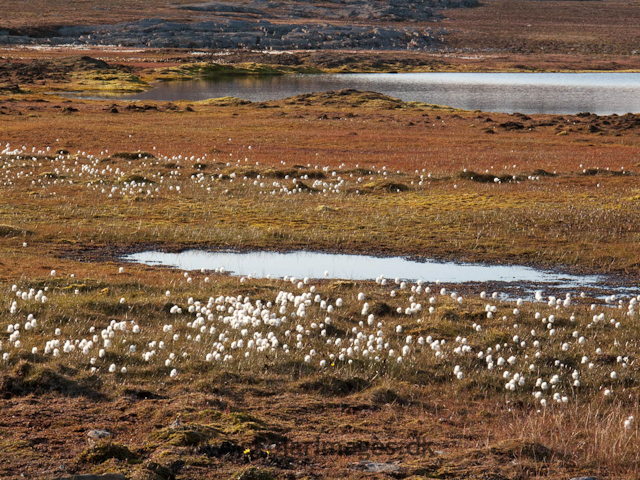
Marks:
<point>96,435</point>
<point>376,467</point>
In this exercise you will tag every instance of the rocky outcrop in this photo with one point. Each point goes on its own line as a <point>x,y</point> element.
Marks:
<point>267,25</point>
<point>331,10</point>
<point>231,33</point>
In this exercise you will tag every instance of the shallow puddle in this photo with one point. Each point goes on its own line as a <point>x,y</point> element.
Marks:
<point>302,264</point>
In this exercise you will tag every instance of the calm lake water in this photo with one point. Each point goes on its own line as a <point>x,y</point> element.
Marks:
<point>360,267</point>
<point>554,93</point>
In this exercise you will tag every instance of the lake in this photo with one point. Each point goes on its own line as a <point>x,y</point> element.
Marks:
<point>551,93</point>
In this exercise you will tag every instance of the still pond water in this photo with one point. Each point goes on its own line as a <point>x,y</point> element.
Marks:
<point>553,93</point>
<point>302,264</point>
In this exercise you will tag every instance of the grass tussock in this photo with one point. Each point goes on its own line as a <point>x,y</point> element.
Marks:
<point>132,155</point>
<point>487,178</point>
<point>29,379</point>
<point>384,187</point>
<point>224,102</point>
<point>334,386</point>
<point>238,411</point>
<point>105,451</point>
<point>11,231</point>
<point>190,435</point>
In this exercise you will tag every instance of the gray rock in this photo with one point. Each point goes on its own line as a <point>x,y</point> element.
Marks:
<point>376,467</point>
<point>236,33</point>
<point>219,7</point>
<point>95,435</point>
<point>106,476</point>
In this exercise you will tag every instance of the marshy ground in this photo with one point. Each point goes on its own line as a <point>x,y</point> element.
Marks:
<point>84,181</point>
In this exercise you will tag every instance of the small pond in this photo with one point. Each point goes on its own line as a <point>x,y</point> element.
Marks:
<point>302,264</point>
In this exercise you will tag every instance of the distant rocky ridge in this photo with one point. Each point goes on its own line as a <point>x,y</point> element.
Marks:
<point>331,10</point>
<point>227,33</point>
<point>268,25</point>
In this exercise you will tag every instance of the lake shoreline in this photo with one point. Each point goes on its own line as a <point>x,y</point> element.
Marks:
<point>118,253</point>
<point>119,69</point>
<point>527,93</point>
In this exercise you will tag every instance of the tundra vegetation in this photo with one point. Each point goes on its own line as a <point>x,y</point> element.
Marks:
<point>204,374</point>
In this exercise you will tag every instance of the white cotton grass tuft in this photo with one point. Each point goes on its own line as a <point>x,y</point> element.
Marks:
<point>391,329</point>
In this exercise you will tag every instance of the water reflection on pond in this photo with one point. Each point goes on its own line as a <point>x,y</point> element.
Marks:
<point>302,264</point>
<point>554,93</point>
